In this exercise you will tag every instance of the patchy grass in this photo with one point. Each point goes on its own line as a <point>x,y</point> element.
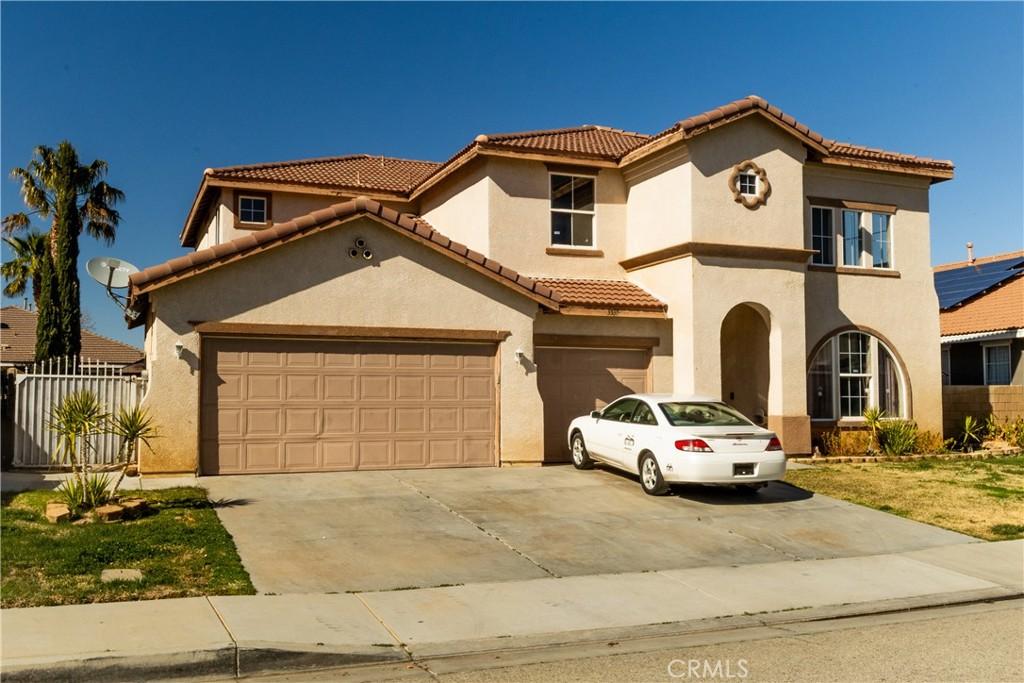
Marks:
<point>181,548</point>
<point>982,498</point>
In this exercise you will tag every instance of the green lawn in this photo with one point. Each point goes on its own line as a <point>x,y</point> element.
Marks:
<point>982,498</point>
<point>181,548</point>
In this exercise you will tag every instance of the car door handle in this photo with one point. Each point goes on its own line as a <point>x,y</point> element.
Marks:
<point>628,441</point>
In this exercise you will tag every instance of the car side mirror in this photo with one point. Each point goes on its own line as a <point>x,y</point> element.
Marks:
<point>596,414</point>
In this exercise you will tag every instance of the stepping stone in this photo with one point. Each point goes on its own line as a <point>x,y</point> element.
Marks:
<point>109,513</point>
<point>58,512</point>
<point>108,575</point>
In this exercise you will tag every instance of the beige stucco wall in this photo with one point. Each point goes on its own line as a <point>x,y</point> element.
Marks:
<point>717,217</point>
<point>460,207</point>
<point>520,221</point>
<point>658,207</point>
<point>904,311</point>
<point>284,207</point>
<point>312,282</point>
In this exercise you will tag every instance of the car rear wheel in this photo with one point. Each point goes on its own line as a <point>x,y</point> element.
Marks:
<point>650,476</point>
<point>580,458</point>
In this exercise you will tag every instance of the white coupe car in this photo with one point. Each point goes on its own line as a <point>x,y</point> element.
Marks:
<point>669,438</point>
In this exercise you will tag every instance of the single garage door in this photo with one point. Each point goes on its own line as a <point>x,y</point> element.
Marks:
<point>315,405</point>
<point>574,382</point>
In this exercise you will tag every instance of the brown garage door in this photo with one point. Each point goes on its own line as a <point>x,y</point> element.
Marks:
<point>311,405</point>
<point>574,382</point>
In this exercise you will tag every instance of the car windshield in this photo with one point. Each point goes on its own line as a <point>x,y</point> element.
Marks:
<point>702,415</point>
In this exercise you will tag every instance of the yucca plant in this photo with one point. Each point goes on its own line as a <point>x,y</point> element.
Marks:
<point>76,420</point>
<point>133,426</point>
<point>897,437</point>
<point>972,432</point>
<point>873,419</point>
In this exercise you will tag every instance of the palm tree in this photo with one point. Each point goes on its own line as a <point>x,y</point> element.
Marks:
<point>75,197</point>
<point>26,265</point>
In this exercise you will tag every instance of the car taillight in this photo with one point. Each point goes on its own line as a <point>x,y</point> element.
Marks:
<point>774,444</point>
<point>693,445</point>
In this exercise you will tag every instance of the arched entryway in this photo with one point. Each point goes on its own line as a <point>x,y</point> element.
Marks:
<point>746,367</point>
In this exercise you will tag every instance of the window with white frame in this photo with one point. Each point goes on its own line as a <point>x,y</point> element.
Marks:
<point>880,240</point>
<point>572,210</point>
<point>823,236</point>
<point>851,372</point>
<point>997,364</point>
<point>853,248</point>
<point>747,183</point>
<point>252,209</point>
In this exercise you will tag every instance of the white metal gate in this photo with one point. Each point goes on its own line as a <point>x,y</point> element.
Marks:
<point>42,387</point>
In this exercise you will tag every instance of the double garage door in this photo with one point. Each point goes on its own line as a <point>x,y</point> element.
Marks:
<point>311,405</point>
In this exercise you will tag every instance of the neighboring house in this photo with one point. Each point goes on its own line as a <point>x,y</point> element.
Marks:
<point>18,345</point>
<point>981,316</point>
<point>369,312</point>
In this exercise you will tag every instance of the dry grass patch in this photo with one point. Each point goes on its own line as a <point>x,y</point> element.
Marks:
<point>982,498</point>
<point>182,550</point>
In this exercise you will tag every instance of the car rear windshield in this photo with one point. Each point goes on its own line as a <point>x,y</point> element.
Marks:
<point>702,415</point>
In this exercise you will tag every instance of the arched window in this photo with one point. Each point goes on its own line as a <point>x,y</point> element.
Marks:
<point>851,372</point>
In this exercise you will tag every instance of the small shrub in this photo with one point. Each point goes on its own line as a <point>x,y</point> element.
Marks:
<point>931,443</point>
<point>1012,432</point>
<point>90,491</point>
<point>848,443</point>
<point>72,493</point>
<point>897,437</point>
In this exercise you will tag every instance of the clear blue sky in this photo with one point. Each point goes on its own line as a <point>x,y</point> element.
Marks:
<point>162,91</point>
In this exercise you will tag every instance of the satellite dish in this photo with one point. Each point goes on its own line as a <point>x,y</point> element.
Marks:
<point>112,273</point>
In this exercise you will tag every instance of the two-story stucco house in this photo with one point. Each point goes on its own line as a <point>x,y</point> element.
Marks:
<point>364,312</point>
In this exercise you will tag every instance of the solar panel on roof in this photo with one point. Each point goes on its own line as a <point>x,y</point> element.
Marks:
<point>960,284</point>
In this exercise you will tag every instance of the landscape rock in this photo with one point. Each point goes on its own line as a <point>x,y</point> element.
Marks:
<point>58,512</point>
<point>133,507</point>
<point>108,575</point>
<point>109,513</point>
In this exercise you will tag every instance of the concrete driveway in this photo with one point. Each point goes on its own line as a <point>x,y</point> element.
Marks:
<point>362,531</point>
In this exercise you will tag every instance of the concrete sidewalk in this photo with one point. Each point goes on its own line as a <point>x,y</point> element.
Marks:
<point>222,637</point>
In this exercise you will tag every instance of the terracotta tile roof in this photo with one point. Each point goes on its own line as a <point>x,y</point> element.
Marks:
<point>618,294</point>
<point>1001,308</point>
<point>18,341</point>
<point>357,171</point>
<point>200,261</point>
<point>848,150</point>
<point>585,141</point>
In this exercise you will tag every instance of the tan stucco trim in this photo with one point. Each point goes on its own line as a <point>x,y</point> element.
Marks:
<point>349,332</point>
<point>850,204</point>
<point>609,312</point>
<point>851,270</point>
<point>936,174</point>
<point>592,341</point>
<point>572,169</point>
<point>698,249</point>
<point>565,251</point>
<point>763,191</point>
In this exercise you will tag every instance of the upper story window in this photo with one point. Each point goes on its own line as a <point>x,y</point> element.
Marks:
<point>747,183</point>
<point>997,364</point>
<point>851,372</point>
<point>572,210</point>
<point>253,208</point>
<point>859,239</point>
<point>823,236</point>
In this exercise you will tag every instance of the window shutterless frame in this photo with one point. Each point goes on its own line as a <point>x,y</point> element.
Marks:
<point>861,238</point>
<point>247,202</point>
<point>846,362</point>
<point>823,235</point>
<point>570,212</point>
<point>994,358</point>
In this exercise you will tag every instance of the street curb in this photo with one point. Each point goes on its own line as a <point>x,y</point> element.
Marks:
<point>254,658</point>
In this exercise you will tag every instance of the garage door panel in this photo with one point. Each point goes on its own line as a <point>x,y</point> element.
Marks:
<point>308,405</point>
<point>338,455</point>
<point>262,455</point>
<point>301,455</point>
<point>339,388</point>
<point>573,382</point>
<point>339,421</point>
<point>374,454</point>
